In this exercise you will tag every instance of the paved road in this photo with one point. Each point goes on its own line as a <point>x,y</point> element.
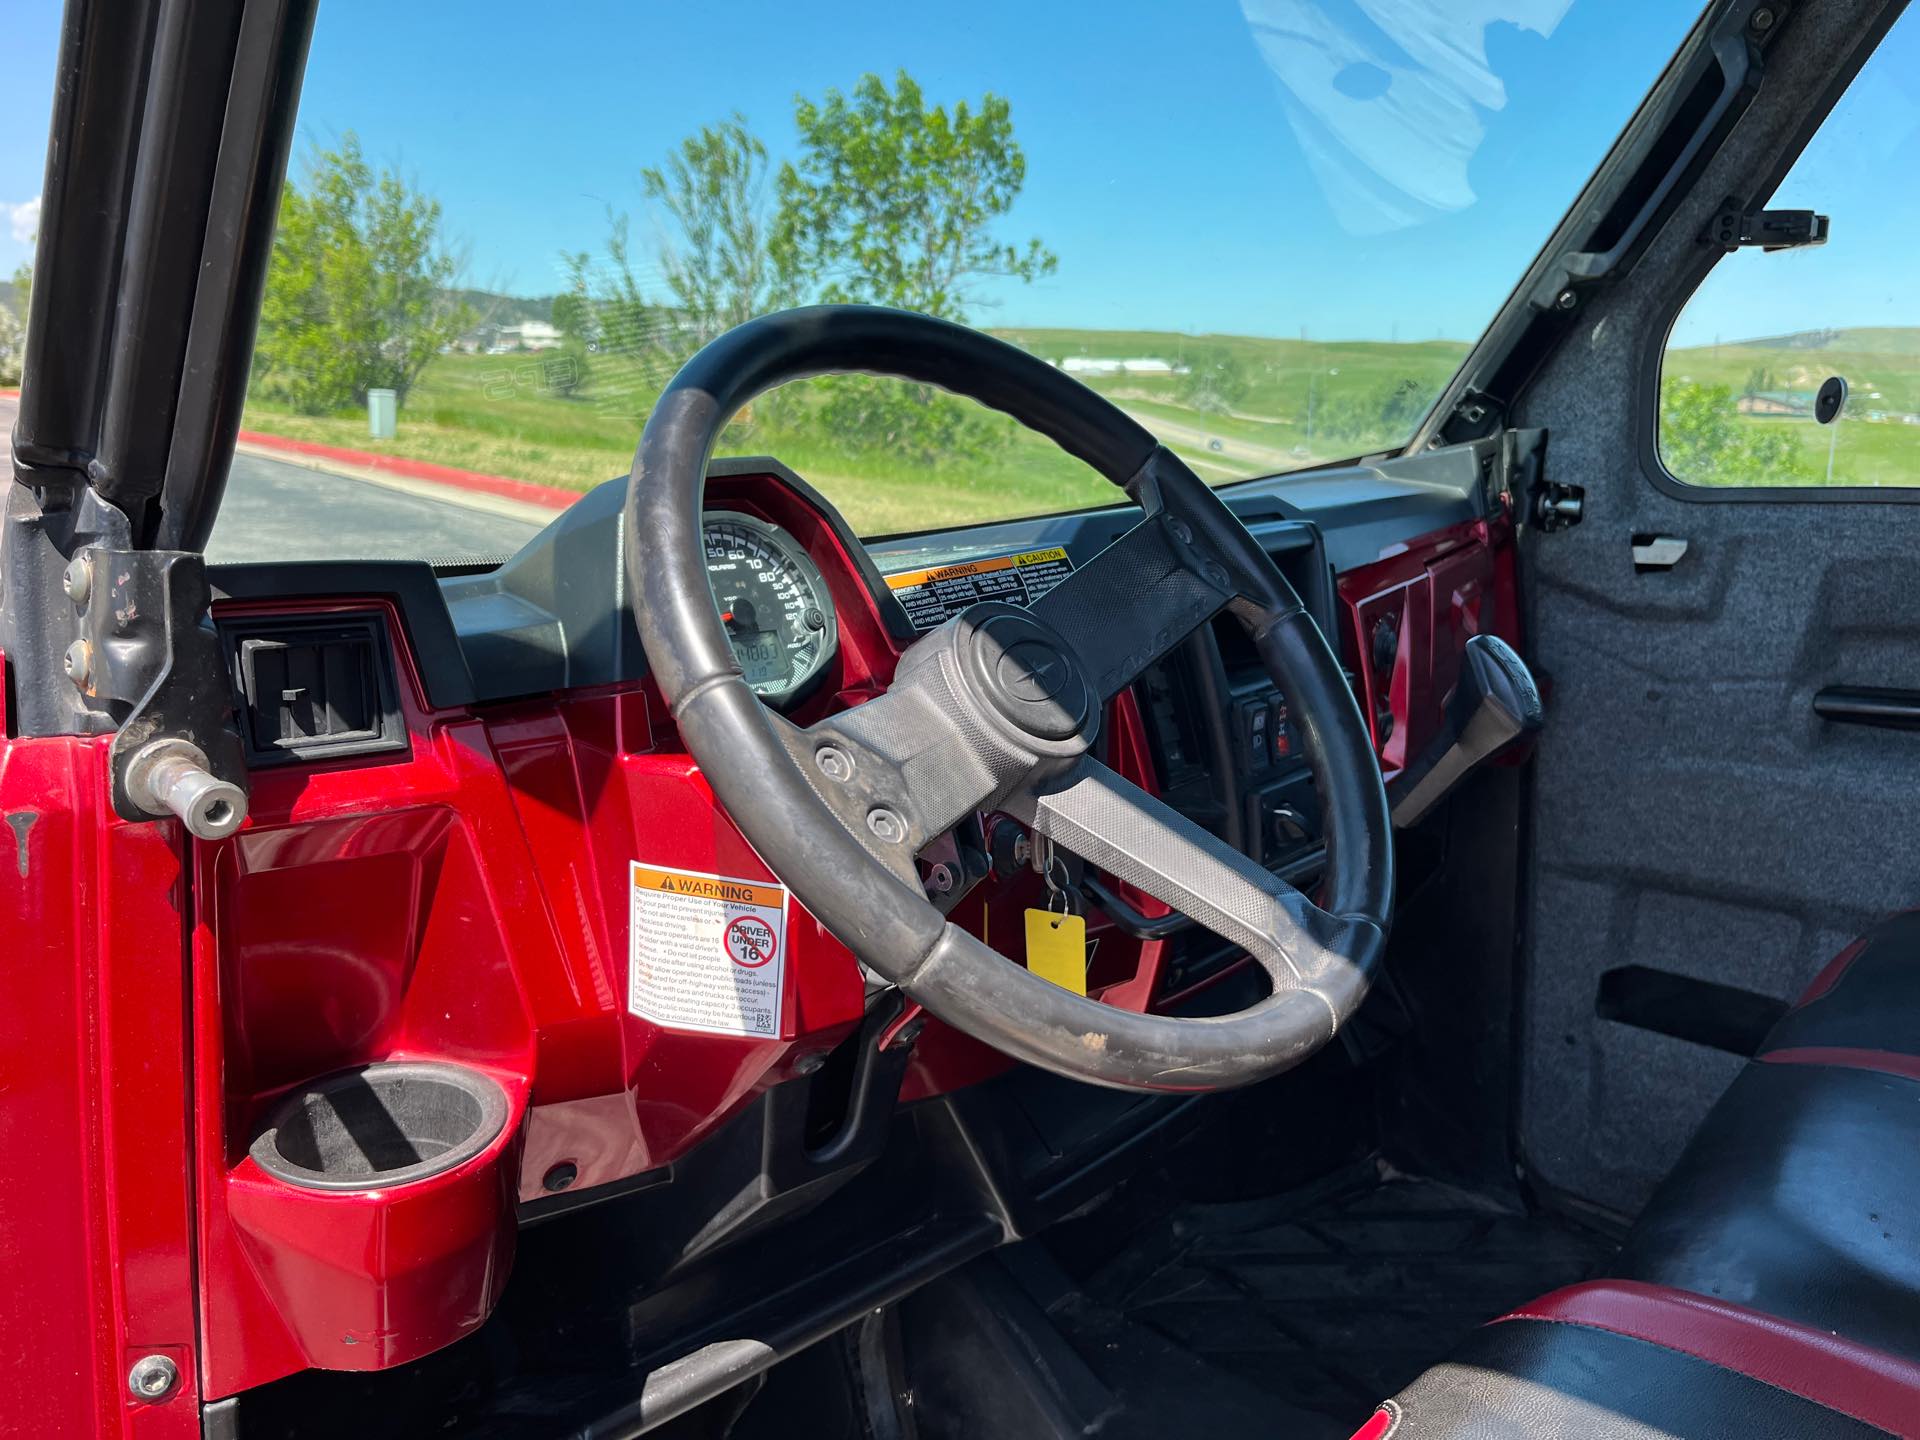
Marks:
<point>275,510</point>
<point>1254,458</point>
<point>279,511</point>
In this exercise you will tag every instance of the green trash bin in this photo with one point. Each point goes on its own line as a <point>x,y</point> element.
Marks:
<point>383,414</point>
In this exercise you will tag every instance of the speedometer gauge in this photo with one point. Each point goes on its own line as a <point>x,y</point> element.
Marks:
<point>773,601</point>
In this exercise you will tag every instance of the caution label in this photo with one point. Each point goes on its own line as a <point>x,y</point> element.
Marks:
<point>707,952</point>
<point>932,597</point>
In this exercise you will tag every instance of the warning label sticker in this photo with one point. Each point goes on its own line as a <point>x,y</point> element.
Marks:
<point>932,597</point>
<point>707,952</point>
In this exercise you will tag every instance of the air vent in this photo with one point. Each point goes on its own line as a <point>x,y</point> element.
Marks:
<point>314,691</point>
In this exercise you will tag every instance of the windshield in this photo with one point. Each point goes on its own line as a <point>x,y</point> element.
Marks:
<point>1269,230</point>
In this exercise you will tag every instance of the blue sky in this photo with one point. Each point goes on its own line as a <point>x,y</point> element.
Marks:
<point>1205,165</point>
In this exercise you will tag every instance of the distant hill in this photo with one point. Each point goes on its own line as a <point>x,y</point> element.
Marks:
<point>1881,363</point>
<point>1867,340</point>
<point>1057,344</point>
<point>494,309</point>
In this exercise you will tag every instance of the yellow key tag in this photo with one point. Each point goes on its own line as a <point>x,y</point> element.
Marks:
<point>1057,948</point>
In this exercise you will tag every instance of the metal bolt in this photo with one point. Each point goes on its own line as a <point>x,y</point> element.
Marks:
<point>152,1378</point>
<point>79,662</point>
<point>887,825</point>
<point>835,764</point>
<point>1217,573</point>
<point>811,1063</point>
<point>78,580</point>
<point>1567,300</point>
<point>1179,529</point>
<point>940,878</point>
<point>560,1176</point>
<point>170,777</point>
<point>1762,19</point>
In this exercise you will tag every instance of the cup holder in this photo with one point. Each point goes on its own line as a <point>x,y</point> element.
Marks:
<point>381,1126</point>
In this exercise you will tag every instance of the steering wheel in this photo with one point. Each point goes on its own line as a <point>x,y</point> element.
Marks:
<point>997,710</point>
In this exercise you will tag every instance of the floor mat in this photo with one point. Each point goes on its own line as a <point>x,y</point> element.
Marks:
<point>1335,1296</point>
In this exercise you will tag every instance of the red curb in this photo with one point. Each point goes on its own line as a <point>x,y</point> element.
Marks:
<point>9,394</point>
<point>551,496</point>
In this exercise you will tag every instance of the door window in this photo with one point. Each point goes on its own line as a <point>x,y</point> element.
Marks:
<point>1744,367</point>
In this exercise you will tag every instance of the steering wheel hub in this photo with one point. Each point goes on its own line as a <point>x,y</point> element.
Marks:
<point>1026,673</point>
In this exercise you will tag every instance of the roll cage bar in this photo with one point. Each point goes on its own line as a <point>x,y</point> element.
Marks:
<point>171,127</point>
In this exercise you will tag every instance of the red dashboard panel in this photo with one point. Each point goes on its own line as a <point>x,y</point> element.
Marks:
<point>1405,620</point>
<point>468,902</point>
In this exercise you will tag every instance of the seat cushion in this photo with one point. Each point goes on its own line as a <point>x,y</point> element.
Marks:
<point>1800,1197</point>
<point>1771,1288</point>
<point>1614,1360</point>
<point>1867,998</point>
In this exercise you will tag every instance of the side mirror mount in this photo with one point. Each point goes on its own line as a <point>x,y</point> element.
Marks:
<point>1831,400</point>
<point>1827,407</point>
<point>1495,706</point>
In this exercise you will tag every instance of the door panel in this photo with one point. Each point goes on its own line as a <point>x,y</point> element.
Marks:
<point>1690,811</point>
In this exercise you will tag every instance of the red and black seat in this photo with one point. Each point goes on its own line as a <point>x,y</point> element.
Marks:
<point>1772,1286</point>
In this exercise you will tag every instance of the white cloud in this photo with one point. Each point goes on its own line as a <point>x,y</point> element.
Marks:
<point>23,220</point>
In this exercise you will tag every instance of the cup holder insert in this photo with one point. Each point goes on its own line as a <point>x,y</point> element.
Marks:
<point>380,1126</point>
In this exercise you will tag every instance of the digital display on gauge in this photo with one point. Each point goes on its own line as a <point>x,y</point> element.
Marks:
<point>763,659</point>
<point>773,601</point>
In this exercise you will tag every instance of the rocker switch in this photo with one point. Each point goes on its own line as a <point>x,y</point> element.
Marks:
<point>1255,728</point>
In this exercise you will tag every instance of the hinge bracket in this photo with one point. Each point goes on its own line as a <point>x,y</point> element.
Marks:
<point>1770,230</point>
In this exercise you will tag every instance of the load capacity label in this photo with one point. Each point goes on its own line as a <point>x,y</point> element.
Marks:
<point>933,597</point>
<point>708,952</point>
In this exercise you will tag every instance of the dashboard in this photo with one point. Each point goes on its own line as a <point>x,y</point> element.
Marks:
<point>525,686</point>
<point>460,777</point>
<point>816,617</point>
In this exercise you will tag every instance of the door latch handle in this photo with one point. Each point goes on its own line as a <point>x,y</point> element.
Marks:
<point>1657,552</point>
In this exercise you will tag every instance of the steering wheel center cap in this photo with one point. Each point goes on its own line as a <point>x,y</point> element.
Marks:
<point>1032,671</point>
<point>1026,673</point>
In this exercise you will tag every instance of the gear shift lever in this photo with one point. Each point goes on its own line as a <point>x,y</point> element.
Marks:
<point>1495,705</point>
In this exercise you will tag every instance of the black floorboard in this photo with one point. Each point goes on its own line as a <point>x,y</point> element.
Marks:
<point>1331,1297</point>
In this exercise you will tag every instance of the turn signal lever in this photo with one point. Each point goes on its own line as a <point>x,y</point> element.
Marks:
<point>1494,707</point>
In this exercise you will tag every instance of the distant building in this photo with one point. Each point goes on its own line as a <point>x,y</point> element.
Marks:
<point>1143,365</point>
<point>1777,402</point>
<point>527,335</point>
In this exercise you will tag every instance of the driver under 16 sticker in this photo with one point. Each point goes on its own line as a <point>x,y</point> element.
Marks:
<point>708,952</point>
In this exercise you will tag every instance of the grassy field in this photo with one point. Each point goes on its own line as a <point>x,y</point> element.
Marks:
<point>1882,368</point>
<point>503,415</point>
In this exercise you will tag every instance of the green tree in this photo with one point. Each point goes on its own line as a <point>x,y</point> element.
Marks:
<point>1404,407</point>
<point>13,326</point>
<point>356,287</point>
<point>23,290</point>
<point>1705,442</point>
<point>895,201</point>
<point>1378,416</point>
<point>713,260</point>
<point>1215,381</point>
<point>714,189</point>
<point>573,318</point>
